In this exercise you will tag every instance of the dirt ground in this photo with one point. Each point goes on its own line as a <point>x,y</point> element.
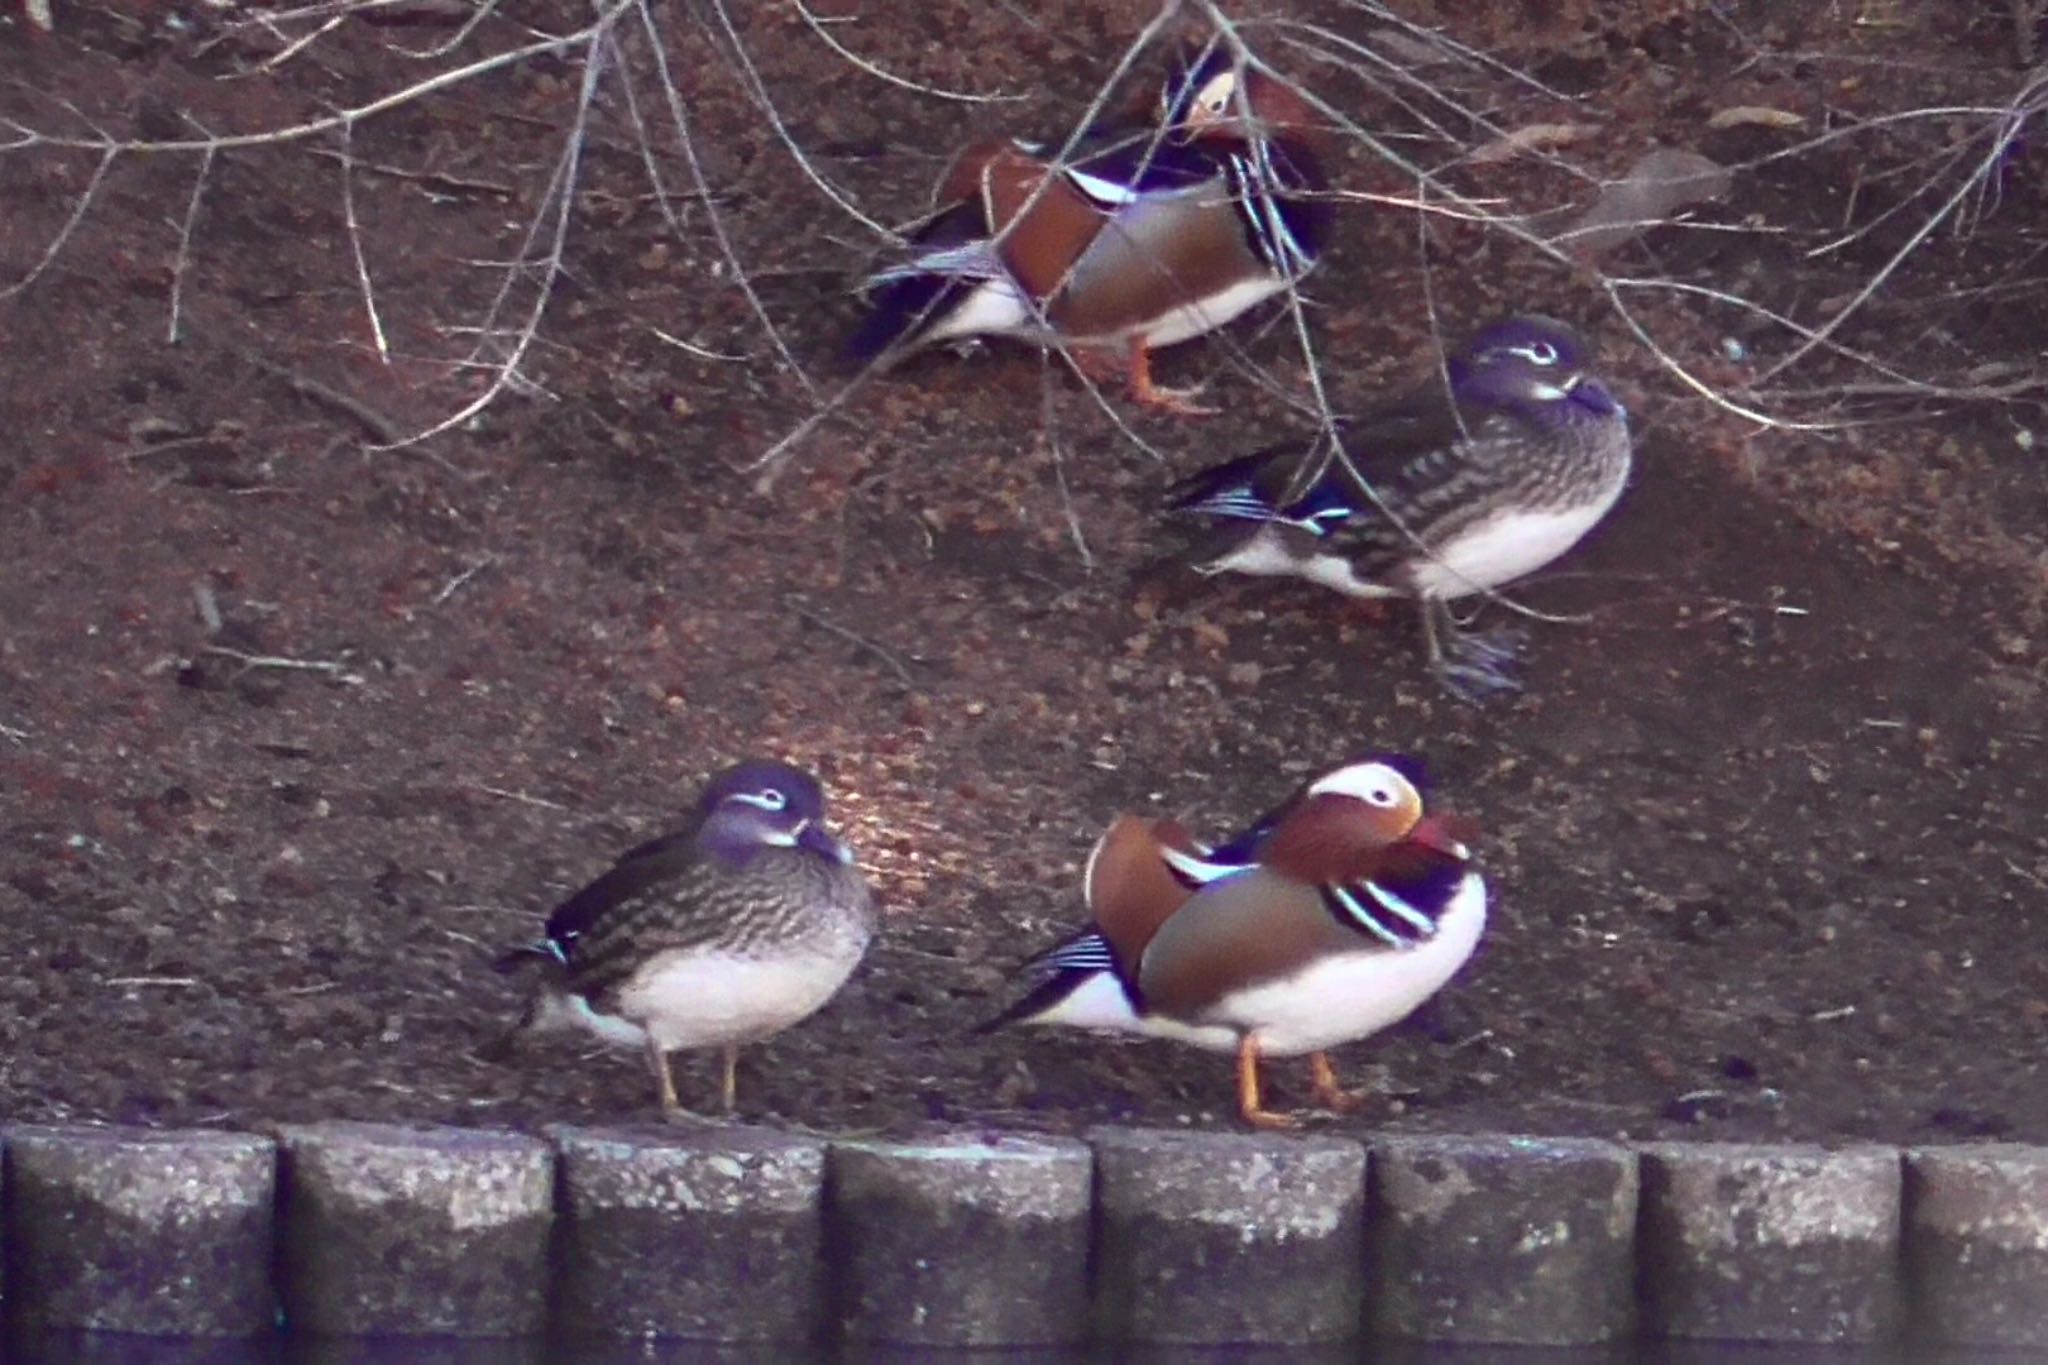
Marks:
<point>299,734</point>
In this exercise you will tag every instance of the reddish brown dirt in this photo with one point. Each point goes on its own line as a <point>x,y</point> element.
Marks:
<point>1766,831</point>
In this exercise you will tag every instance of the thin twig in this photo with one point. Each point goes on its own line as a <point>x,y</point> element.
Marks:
<point>556,206</point>
<point>520,797</point>
<point>1048,421</point>
<point>758,92</point>
<point>679,120</point>
<point>375,422</point>
<point>92,187</point>
<point>455,584</point>
<point>297,45</point>
<point>796,603</point>
<point>471,22</point>
<point>700,352</point>
<point>459,183</point>
<point>333,668</point>
<point>817,26</point>
<point>298,132</point>
<point>355,242</point>
<point>184,256</point>
<point>249,660</point>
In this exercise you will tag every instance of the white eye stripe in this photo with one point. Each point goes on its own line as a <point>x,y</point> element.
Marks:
<point>1536,352</point>
<point>1376,784</point>
<point>768,798</point>
<point>1214,97</point>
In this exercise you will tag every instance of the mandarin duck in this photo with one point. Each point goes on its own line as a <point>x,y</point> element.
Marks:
<point>1329,919</point>
<point>1472,481</point>
<point>732,928</point>
<point>1142,237</point>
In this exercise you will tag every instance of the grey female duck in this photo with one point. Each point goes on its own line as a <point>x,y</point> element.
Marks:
<point>726,931</point>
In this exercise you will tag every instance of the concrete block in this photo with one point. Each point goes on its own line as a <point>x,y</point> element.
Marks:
<point>140,1230</point>
<point>1977,1245</point>
<point>713,1235</point>
<point>399,1231</point>
<point>1757,1243</point>
<point>1218,1238</point>
<point>961,1241</point>
<point>1522,1241</point>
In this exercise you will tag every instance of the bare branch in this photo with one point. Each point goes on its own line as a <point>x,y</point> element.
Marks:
<point>680,121</point>
<point>818,26</point>
<point>184,256</point>
<point>92,187</point>
<point>355,242</point>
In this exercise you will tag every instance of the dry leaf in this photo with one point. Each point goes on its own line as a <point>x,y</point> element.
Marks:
<point>1535,137</point>
<point>1660,184</point>
<point>1756,116</point>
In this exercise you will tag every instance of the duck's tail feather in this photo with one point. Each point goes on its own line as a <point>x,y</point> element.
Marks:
<point>905,302</point>
<point>1078,983</point>
<point>1232,490</point>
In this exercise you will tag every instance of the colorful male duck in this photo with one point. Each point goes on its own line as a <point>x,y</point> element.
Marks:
<point>1486,473</point>
<point>1328,920</point>
<point>1143,237</point>
<point>732,928</point>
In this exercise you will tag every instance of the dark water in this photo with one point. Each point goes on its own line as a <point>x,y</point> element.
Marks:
<point>99,1348</point>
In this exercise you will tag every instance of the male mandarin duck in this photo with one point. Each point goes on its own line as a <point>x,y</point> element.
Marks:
<point>1485,474</point>
<point>730,929</point>
<point>1328,920</point>
<point>1143,237</point>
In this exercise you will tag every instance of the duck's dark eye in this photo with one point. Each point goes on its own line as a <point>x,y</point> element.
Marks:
<point>1536,353</point>
<point>768,798</point>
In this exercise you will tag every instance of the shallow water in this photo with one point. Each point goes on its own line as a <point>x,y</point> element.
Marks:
<point>101,1348</point>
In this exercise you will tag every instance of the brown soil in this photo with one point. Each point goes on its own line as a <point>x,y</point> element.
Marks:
<point>1766,830</point>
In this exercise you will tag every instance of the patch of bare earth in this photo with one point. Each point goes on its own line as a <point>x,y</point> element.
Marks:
<point>298,735</point>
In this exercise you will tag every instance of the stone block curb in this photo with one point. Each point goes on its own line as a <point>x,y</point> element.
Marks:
<point>1765,1243</point>
<point>1223,1239</point>
<point>1513,1241</point>
<point>400,1231</point>
<point>714,1235</point>
<point>376,1239</point>
<point>1976,1240</point>
<point>140,1230</point>
<point>962,1240</point>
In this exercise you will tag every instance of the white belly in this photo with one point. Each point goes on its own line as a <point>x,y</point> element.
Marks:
<point>689,998</point>
<point>1351,996</point>
<point>1504,548</point>
<point>1097,1003</point>
<point>1266,553</point>
<point>995,308</point>
<point>1216,311</point>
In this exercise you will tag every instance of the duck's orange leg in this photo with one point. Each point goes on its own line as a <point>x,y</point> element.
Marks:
<point>1326,1091</point>
<point>731,1089</point>
<point>1179,402</point>
<point>1249,1102</point>
<point>664,1081</point>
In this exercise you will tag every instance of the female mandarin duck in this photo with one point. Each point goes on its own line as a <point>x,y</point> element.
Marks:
<point>732,928</point>
<point>1484,475</point>
<point>1142,237</point>
<point>1328,920</point>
